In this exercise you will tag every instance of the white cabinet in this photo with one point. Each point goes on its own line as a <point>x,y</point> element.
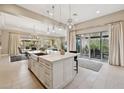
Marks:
<point>45,73</point>
<point>63,72</point>
<point>68,69</point>
<point>41,72</point>
<point>45,76</point>
<point>57,74</point>
<point>53,75</point>
<point>32,65</point>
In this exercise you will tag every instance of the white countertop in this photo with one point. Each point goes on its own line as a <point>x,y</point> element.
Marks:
<point>56,56</point>
<point>35,51</point>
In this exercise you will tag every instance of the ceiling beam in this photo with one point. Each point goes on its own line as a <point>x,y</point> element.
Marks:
<point>20,11</point>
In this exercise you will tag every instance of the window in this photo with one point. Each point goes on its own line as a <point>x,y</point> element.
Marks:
<point>78,42</point>
<point>94,45</point>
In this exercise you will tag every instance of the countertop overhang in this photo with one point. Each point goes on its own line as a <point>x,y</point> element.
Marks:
<point>57,56</point>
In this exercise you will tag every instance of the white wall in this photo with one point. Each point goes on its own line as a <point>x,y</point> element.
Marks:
<point>99,22</point>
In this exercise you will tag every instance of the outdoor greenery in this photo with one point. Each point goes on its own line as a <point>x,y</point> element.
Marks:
<point>94,44</point>
<point>105,48</point>
<point>85,50</point>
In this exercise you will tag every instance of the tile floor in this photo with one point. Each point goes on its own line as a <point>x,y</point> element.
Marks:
<point>16,75</point>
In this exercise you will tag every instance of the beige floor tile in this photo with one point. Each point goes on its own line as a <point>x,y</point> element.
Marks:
<point>15,75</point>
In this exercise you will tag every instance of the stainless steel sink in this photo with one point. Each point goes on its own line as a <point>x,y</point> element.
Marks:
<point>35,56</point>
<point>40,54</point>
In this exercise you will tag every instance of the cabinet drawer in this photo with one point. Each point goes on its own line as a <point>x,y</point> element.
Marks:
<point>48,76</point>
<point>46,80</point>
<point>44,71</point>
<point>45,63</point>
<point>47,73</point>
<point>48,83</point>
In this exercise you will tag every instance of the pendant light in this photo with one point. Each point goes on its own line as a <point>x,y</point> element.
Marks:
<point>70,25</point>
<point>60,25</point>
<point>48,29</point>
<point>53,28</point>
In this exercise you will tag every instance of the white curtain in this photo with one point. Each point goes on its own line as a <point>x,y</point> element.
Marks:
<point>72,41</point>
<point>13,44</point>
<point>116,51</point>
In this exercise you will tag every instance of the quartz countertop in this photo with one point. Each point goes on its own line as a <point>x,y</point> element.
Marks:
<point>35,51</point>
<point>56,56</point>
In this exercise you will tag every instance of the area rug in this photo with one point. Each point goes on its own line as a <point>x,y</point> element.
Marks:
<point>18,58</point>
<point>88,64</point>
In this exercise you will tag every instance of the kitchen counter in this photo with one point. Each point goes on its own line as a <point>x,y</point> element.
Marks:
<point>53,70</point>
<point>35,51</point>
<point>56,56</point>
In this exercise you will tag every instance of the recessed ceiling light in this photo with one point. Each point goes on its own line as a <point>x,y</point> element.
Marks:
<point>97,11</point>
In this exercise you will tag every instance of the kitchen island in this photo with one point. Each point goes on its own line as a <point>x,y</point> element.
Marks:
<point>53,70</point>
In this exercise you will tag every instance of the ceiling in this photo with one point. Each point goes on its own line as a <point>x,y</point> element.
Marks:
<point>84,11</point>
<point>25,24</point>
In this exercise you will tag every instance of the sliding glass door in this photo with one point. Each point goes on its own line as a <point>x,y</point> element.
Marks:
<point>105,46</point>
<point>78,43</point>
<point>85,45</point>
<point>94,45</point>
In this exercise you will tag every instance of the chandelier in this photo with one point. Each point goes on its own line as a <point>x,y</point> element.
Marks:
<point>53,26</point>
